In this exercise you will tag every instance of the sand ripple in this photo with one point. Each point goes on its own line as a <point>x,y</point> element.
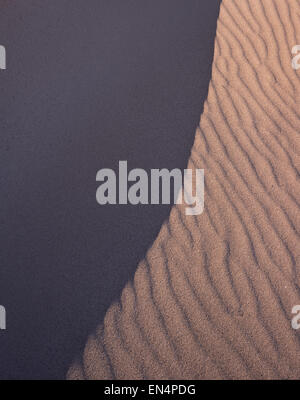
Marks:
<point>213,296</point>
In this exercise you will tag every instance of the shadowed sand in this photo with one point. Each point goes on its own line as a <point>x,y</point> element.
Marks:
<point>213,296</point>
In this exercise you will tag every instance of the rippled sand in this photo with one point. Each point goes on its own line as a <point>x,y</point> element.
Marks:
<point>213,297</point>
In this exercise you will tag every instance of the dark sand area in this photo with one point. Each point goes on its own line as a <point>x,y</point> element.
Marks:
<point>88,83</point>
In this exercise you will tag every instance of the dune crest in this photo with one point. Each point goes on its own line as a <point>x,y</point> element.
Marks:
<point>213,297</point>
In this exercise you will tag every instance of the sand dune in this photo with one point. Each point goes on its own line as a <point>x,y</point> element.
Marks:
<point>213,297</point>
